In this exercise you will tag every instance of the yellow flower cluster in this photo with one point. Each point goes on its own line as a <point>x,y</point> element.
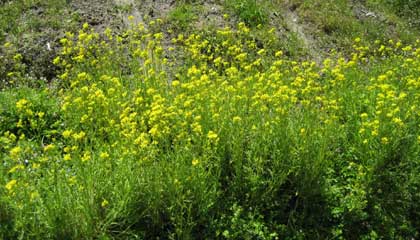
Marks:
<point>125,98</point>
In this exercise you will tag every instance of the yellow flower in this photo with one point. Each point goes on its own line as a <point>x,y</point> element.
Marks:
<point>56,60</point>
<point>29,112</point>
<point>67,149</point>
<point>384,140</point>
<point>67,157</point>
<point>364,115</point>
<point>237,119</point>
<point>212,135</point>
<point>72,180</point>
<point>261,52</point>
<point>34,195</point>
<point>104,155</point>
<point>49,147</point>
<point>175,83</point>
<point>17,167</point>
<point>79,136</point>
<point>82,75</point>
<point>17,57</point>
<point>104,203</point>
<point>21,103</point>
<point>86,157</point>
<point>196,127</point>
<point>194,162</point>
<point>67,133</point>
<point>19,124</point>
<point>11,136</point>
<point>14,152</point>
<point>398,121</point>
<point>84,118</point>
<point>382,77</point>
<point>154,131</point>
<point>10,185</point>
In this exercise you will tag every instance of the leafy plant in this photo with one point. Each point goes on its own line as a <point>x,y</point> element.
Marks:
<point>252,12</point>
<point>182,16</point>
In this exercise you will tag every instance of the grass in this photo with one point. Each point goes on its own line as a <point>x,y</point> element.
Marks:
<point>30,26</point>
<point>337,23</point>
<point>406,9</point>
<point>251,12</point>
<point>182,16</point>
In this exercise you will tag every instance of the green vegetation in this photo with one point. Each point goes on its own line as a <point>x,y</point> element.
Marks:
<point>252,12</point>
<point>228,132</point>
<point>407,9</point>
<point>34,28</point>
<point>336,23</point>
<point>12,13</point>
<point>182,16</point>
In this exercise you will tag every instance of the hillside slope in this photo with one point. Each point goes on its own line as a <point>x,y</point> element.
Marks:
<point>239,119</point>
<point>305,29</point>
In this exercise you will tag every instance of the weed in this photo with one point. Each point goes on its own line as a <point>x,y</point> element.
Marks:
<point>228,139</point>
<point>252,12</point>
<point>182,16</point>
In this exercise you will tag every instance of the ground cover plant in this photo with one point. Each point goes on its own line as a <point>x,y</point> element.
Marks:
<point>300,121</point>
<point>251,12</point>
<point>34,27</point>
<point>335,23</point>
<point>238,142</point>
